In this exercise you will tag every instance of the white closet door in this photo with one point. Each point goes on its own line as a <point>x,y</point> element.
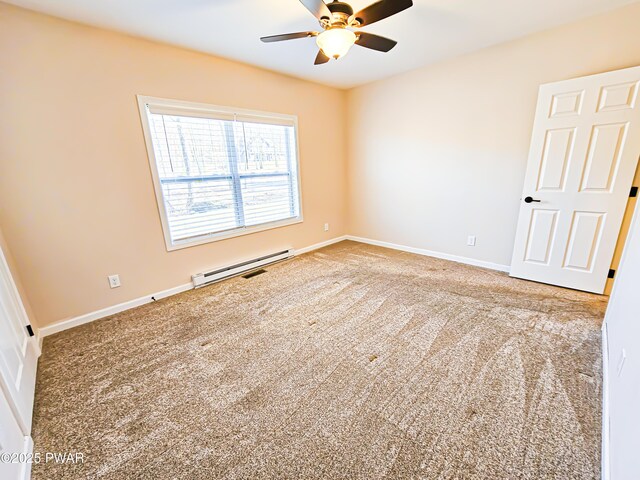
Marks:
<point>12,442</point>
<point>18,351</point>
<point>584,151</point>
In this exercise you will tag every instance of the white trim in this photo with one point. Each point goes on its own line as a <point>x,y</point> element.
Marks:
<point>37,341</point>
<point>605,468</point>
<point>105,312</point>
<point>121,307</point>
<point>236,232</point>
<point>431,253</point>
<point>316,246</point>
<point>145,103</point>
<point>28,451</point>
<point>208,110</point>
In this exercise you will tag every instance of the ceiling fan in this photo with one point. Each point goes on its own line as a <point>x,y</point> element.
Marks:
<point>337,19</point>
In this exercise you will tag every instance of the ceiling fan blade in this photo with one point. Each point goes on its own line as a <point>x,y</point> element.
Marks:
<point>318,8</point>
<point>375,42</point>
<point>287,36</point>
<point>321,58</point>
<point>380,10</point>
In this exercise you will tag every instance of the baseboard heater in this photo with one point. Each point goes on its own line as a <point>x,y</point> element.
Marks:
<point>205,278</point>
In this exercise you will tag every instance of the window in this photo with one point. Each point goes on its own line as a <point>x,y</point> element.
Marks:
<point>220,172</point>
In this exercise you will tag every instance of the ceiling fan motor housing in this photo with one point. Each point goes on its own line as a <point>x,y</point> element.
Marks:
<point>341,12</point>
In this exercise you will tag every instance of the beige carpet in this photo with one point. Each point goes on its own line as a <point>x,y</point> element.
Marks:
<point>349,362</point>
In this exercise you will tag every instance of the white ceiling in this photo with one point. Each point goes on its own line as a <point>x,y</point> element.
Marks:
<point>429,31</point>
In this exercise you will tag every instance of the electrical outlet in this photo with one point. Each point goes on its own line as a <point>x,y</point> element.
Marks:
<point>471,240</point>
<point>326,227</point>
<point>623,357</point>
<point>114,281</point>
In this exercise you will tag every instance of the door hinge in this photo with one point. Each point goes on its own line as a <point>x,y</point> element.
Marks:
<point>30,330</point>
<point>634,192</point>
<point>612,273</point>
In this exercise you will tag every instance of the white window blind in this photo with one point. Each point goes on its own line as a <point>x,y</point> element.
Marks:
<point>221,173</point>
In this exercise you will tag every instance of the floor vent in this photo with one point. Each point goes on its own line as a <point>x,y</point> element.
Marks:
<point>254,273</point>
<point>205,278</point>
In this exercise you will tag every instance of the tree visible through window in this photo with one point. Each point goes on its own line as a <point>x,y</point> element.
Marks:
<point>223,174</point>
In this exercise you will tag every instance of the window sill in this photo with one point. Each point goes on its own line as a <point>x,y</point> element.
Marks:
<point>214,237</point>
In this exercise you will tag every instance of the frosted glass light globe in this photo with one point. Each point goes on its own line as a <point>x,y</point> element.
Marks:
<point>336,42</point>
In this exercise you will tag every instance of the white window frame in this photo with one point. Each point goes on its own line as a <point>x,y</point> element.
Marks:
<point>205,110</point>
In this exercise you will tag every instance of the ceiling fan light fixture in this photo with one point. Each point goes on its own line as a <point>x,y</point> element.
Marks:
<point>336,42</point>
<point>338,21</point>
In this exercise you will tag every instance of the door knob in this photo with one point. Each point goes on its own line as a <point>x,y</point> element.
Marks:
<point>530,199</point>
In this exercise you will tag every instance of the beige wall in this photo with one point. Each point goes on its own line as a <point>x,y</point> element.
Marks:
<point>435,154</point>
<point>13,269</point>
<point>76,195</point>
<point>439,153</point>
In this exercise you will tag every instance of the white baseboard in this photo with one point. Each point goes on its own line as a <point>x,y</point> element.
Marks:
<point>605,475</point>
<point>316,246</point>
<point>431,253</point>
<point>105,312</point>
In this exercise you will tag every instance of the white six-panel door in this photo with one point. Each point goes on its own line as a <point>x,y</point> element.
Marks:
<point>584,151</point>
<point>18,361</point>
<point>18,351</point>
